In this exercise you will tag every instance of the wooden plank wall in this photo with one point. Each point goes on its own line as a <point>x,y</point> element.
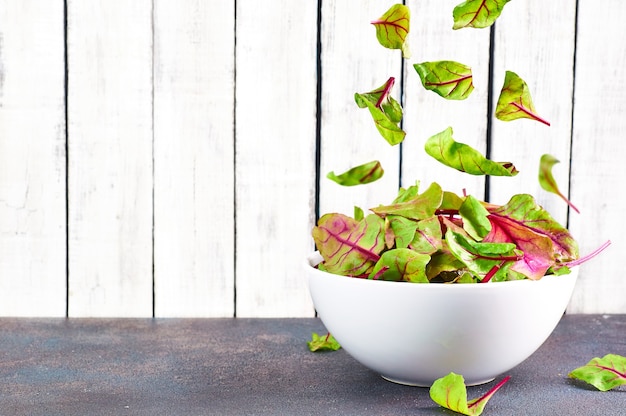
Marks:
<point>164,158</point>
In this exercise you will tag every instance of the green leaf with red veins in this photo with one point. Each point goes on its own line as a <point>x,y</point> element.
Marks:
<point>349,247</point>
<point>428,237</point>
<point>477,13</point>
<point>401,264</point>
<point>464,158</point>
<point>393,27</point>
<point>386,112</point>
<point>475,219</point>
<point>402,230</point>
<point>515,101</point>
<point>359,175</point>
<point>443,261</point>
<point>604,373</point>
<point>482,258</point>
<point>449,79</point>
<point>544,242</point>
<point>322,343</point>
<point>547,181</point>
<point>450,392</point>
<point>418,208</point>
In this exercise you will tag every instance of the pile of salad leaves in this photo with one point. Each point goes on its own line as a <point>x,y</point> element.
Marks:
<point>439,236</point>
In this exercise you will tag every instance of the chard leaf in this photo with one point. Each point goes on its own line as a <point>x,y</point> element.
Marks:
<point>393,27</point>
<point>407,194</point>
<point>443,262</point>
<point>349,247</point>
<point>477,13</point>
<point>386,112</point>
<point>464,158</point>
<point>359,175</point>
<point>402,229</point>
<point>451,80</point>
<point>515,102</point>
<point>322,343</point>
<point>428,236</point>
<point>358,213</point>
<point>546,180</point>
<point>401,264</point>
<point>482,258</point>
<point>450,392</point>
<point>544,242</point>
<point>604,373</point>
<point>475,219</point>
<point>418,208</point>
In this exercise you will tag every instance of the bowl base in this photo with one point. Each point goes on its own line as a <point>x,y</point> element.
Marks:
<point>418,384</point>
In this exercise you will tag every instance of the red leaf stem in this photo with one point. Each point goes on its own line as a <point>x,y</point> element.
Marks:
<point>589,256</point>
<point>530,113</point>
<point>386,91</point>
<point>491,392</point>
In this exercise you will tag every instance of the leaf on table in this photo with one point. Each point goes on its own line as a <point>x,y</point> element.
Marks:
<point>349,247</point>
<point>477,13</point>
<point>547,181</point>
<point>450,392</point>
<point>463,157</point>
<point>393,27</point>
<point>544,242</point>
<point>359,175</point>
<point>515,102</point>
<point>449,79</point>
<point>604,373</point>
<point>322,343</point>
<point>386,112</point>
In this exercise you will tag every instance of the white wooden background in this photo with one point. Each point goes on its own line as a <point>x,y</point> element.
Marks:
<point>158,158</point>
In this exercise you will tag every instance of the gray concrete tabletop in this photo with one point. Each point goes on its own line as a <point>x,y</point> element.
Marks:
<point>263,367</point>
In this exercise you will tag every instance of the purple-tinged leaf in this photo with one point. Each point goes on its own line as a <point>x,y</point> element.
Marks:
<point>449,79</point>
<point>393,27</point>
<point>604,373</point>
<point>544,242</point>
<point>386,112</point>
<point>359,175</point>
<point>418,208</point>
<point>515,101</point>
<point>464,158</point>
<point>349,247</point>
<point>547,181</point>
<point>477,13</point>
<point>401,264</point>
<point>428,236</point>
<point>320,343</point>
<point>450,392</point>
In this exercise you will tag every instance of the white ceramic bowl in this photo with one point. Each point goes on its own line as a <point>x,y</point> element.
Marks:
<point>414,333</point>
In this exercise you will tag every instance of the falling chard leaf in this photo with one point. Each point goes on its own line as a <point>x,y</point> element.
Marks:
<point>386,112</point>
<point>515,102</point>
<point>359,175</point>
<point>464,158</point>
<point>392,28</point>
<point>450,392</point>
<point>604,373</point>
<point>546,180</point>
<point>322,343</point>
<point>451,80</point>
<point>477,13</point>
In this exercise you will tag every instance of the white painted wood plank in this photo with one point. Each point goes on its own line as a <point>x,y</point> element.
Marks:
<point>110,158</point>
<point>275,155</point>
<point>598,174</point>
<point>353,61</point>
<point>427,113</point>
<point>32,159</point>
<point>194,158</point>
<point>535,39</point>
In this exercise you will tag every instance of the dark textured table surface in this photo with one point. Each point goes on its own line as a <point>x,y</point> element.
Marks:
<point>263,367</point>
